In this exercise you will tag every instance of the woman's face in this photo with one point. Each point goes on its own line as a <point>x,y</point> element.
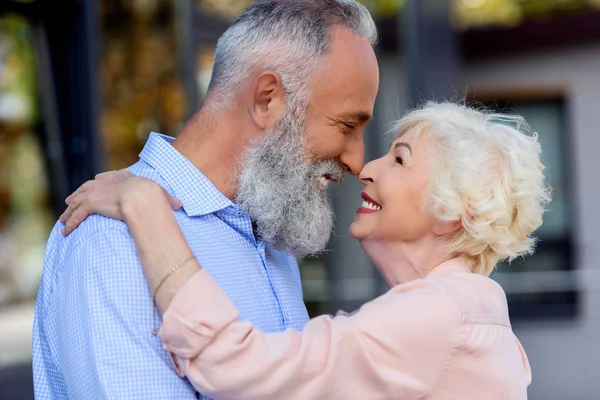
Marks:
<point>395,193</point>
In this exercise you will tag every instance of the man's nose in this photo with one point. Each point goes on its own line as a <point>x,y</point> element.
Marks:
<point>353,156</point>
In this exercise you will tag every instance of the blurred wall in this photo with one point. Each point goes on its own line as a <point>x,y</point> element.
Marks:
<point>564,354</point>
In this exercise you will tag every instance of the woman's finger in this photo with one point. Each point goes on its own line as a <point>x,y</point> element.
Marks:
<point>114,176</point>
<point>66,214</point>
<point>74,202</point>
<point>78,216</point>
<point>124,173</point>
<point>103,175</point>
<point>69,199</point>
<point>175,203</point>
<point>81,189</point>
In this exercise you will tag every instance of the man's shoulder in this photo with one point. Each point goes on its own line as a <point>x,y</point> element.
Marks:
<point>98,262</point>
<point>100,253</point>
<point>96,241</point>
<point>141,168</point>
<point>92,232</point>
<point>97,227</point>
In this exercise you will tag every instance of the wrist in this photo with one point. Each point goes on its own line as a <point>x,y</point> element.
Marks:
<point>172,283</point>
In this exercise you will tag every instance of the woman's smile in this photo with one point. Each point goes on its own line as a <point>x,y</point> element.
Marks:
<point>369,205</point>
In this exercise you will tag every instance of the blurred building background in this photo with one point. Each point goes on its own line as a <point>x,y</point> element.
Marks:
<point>82,83</point>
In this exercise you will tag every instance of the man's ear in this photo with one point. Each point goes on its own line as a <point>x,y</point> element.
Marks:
<point>441,228</point>
<point>268,102</point>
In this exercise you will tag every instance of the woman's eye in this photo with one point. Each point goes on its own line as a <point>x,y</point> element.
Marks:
<point>399,161</point>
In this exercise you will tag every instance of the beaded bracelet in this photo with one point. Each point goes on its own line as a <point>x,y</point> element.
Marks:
<point>175,268</point>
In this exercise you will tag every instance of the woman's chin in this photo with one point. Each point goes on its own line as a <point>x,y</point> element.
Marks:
<point>357,231</point>
<point>354,231</point>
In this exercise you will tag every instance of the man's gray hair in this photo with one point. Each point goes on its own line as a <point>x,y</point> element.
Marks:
<point>285,36</point>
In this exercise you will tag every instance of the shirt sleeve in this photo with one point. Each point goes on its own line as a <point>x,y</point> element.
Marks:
<point>396,346</point>
<point>104,319</point>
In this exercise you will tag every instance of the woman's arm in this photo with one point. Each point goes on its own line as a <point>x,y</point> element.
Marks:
<point>159,241</point>
<point>395,346</point>
<point>148,210</point>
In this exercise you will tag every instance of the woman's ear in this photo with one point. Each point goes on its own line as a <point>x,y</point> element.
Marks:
<point>441,228</point>
<point>268,102</point>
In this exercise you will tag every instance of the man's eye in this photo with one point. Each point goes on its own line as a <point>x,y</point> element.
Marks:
<point>399,160</point>
<point>350,126</point>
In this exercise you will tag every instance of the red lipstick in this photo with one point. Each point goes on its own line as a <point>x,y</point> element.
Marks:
<point>369,205</point>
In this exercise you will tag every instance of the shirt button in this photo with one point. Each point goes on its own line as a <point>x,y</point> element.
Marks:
<point>238,213</point>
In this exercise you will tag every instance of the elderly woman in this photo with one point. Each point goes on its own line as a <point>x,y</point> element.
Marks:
<point>458,191</point>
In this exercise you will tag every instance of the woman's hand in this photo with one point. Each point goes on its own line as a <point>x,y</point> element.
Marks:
<point>147,209</point>
<point>111,194</point>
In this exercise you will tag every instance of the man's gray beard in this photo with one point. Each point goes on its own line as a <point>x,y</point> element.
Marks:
<point>280,189</point>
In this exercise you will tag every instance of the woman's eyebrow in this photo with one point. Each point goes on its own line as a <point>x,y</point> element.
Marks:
<point>403,144</point>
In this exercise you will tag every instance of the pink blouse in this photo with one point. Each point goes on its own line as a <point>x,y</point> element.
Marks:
<point>446,336</point>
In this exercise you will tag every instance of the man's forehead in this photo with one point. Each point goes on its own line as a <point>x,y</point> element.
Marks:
<point>348,53</point>
<point>346,84</point>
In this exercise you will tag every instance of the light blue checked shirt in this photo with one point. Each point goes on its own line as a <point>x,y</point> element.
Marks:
<point>92,334</point>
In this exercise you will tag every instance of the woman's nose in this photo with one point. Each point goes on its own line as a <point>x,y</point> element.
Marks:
<point>367,173</point>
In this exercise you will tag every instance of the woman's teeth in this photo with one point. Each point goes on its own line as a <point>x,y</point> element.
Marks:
<point>370,206</point>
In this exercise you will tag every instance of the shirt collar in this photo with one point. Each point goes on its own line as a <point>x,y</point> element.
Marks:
<point>197,193</point>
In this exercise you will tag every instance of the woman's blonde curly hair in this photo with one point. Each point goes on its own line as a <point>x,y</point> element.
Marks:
<point>489,175</point>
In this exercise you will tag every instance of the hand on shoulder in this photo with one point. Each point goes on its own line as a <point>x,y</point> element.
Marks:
<point>115,194</point>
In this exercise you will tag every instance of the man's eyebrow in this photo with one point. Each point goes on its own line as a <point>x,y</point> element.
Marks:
<point>403,144</point>
<point>359,116</point>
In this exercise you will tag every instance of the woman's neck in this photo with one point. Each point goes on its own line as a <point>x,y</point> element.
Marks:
<point>400,262</point>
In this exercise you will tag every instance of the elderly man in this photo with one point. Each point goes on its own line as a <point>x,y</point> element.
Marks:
<point>293,87</point>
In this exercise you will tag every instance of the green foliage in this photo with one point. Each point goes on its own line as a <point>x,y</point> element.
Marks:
<point>465,12</point>
<point>490,12</point>
<point>383,8</point>
<point>17,71</point>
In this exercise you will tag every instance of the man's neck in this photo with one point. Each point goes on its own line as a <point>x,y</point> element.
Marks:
<point>213,144</point>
